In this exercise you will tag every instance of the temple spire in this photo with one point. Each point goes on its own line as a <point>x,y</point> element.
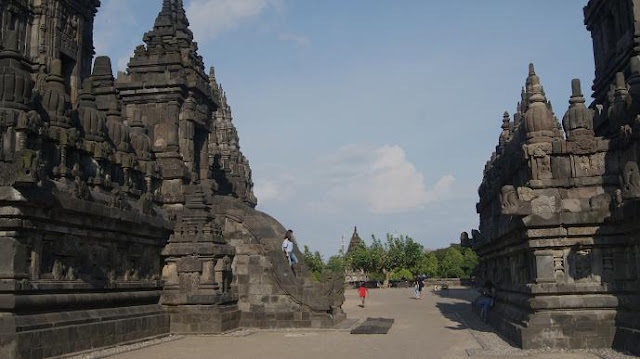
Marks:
<point>215,88</point>
<point>171,27</point>
<point>355,240</point>
<point>578,121</point>
<point>539,121</point>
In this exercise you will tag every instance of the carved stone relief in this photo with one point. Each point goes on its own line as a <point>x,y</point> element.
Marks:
<point>631,180</point>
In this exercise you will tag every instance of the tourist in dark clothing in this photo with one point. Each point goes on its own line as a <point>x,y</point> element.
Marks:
<point>485,301</point>
<point>420,287</point>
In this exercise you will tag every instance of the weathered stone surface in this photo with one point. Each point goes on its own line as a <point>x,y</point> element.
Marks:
<point>123,200</point>
<point>563,268</point>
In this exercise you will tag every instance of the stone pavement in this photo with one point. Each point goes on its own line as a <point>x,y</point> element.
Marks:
<point>439,326</point>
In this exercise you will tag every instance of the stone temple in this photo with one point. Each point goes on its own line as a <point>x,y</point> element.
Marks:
<point>560,203</point>
<point>127,207</point>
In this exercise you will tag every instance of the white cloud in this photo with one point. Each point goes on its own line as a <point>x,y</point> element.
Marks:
<point>386,181</point>
<point>267,190</point>
<point>209,18</point>
<point>394,183</point>
<point>278,185</point>
<point>355,177</point>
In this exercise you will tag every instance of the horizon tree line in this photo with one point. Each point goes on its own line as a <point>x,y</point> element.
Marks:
<point>399,257</point>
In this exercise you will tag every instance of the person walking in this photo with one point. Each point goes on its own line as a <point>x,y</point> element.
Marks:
<point>420,286</point>
<point>287,248</point>
<point>362,291</point>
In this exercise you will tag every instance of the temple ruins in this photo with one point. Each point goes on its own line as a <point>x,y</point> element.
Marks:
<point>559,210</point>
<point>127,207</point>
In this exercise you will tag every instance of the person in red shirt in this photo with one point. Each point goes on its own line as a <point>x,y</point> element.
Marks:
<point>362,291</point>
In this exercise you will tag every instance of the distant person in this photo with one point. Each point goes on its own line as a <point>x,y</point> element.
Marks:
<point>415,286</point>
<point>362,292</point>
<point>420,286</point>
<point>287,248</point>
<point>486,300</point>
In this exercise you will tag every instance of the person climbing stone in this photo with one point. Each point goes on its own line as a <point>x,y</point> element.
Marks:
<point>287,248</point>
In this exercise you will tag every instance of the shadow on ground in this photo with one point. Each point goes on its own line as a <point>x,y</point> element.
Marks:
<point>460,311</point>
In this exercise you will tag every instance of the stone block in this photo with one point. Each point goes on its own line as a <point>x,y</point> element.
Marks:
<point>242,270</point>
<point>572,205</point>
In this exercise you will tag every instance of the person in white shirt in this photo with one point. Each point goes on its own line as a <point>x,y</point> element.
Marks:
<point>287,248</point>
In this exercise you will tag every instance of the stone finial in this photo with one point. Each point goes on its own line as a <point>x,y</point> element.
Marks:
<point>166,5</point>
<point>578,120</point>
<point>524,102</point>
<point>102,66</point>
<point>505,136</point>
<point>517,117</point>
<point>215,89</point>
<point>528,84</point>
<point>505,120</point>
<point>618,111</point>
<point>172,14</point>
<point>91,119</point>
<point>539,122</point>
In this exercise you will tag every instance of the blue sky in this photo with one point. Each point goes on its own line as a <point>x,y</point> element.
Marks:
<point>371,113</point>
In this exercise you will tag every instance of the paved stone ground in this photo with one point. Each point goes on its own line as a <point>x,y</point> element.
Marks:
<point>439,326</point>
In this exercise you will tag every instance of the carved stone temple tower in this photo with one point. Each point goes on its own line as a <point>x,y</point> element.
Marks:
<point>350,275</point>
<point>126,205</point>
<point>559,211</point>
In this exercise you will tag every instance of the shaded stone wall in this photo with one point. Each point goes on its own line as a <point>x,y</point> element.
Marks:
<point>126,205</point>
<point>81,232</point>
<point>558,208</point>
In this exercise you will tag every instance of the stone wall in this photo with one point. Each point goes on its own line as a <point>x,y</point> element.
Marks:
<point>75,274</point>
<point>270,294</point>
<point>126,205</point>
<point>558,204</point>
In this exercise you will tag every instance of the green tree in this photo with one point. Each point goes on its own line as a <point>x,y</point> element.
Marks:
<point>402,274</point>
<point>378,257</point>
<point>469,261</point>
<point>335,264</point>
<point>429,265</point>
<point>358,257</point>
<point>451,264</point>
<point>313,261</point>
<point>404,253</point>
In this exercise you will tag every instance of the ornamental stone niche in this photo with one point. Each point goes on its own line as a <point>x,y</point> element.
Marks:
<point>126,205</point>
<point>559,211</point>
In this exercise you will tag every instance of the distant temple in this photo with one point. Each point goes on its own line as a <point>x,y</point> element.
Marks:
<point>354,241</point>
<point>352,276</point>
<point>559,203</point>
<point>126,205</point>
